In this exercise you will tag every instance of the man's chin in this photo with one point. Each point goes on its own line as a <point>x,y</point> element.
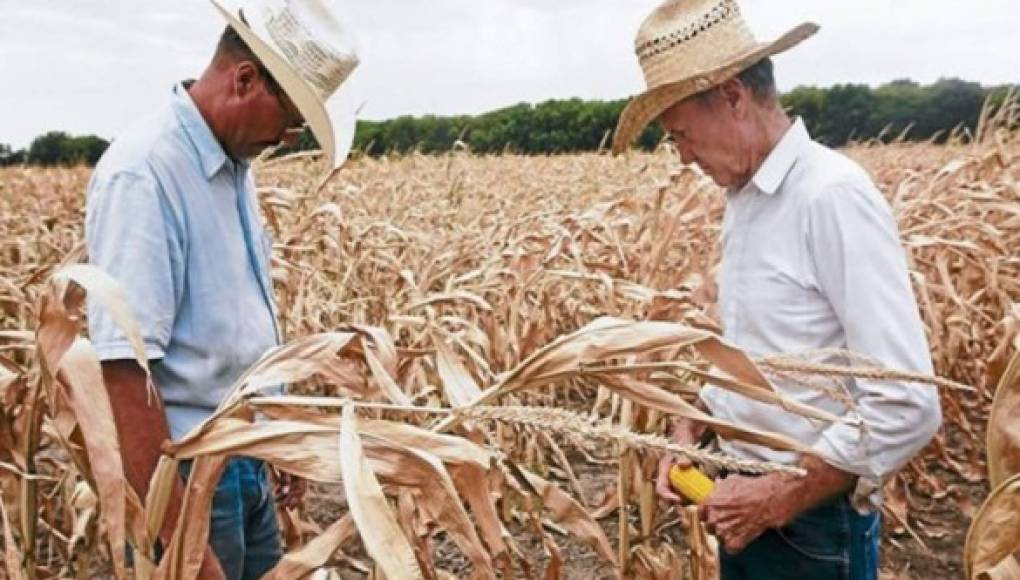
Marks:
<point>259,149</point>
<point>715,177</point>
<point>722,180</point>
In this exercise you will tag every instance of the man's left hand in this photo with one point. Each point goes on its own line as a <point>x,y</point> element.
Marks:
<point>742,508</point>
<point>290,490</point>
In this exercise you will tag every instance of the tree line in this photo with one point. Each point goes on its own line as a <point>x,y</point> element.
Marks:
<point>836,115</point>
<point>56,148</point>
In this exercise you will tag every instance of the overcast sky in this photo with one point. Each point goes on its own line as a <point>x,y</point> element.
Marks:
<point>91,66</point>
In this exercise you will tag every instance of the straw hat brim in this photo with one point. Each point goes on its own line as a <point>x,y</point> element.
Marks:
<point>1002,441</point>
<point>646,107</point>
<point>323,118</point>
<point>993,536</point>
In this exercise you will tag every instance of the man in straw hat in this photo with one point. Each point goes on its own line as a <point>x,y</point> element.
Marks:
<point>172,215</point>
<point>811,260</point>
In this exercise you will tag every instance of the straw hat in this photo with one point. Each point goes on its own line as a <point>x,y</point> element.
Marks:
<point>311,55</point>
<point>993,537</point>
<point>688,46</point>
<point>1003,438</point>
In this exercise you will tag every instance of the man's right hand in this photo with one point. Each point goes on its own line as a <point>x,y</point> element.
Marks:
<point>684,432</point>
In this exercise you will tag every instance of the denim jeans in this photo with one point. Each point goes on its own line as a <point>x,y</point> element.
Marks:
<point>831,541</point>
<point>243,531</point>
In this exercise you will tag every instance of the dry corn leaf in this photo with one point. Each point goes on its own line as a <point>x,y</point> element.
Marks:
<point>566,511</point>
<point>460,387</point>
<point>309,450</point>
<point>7,378</point>
<point>293,361</point>
<point>375,521</point>
<point>704,547</point>
<point>450,449</point>
<point>382,376</point>
<point>182,559</point>
<point>313,555</point>
<point>472,483</point>
<point>382,342</point>
<point>57,328</point>
<point>660,399</point>
<point>161,486</point>
<point>304,449</point>
<point>85,504</point>
<point>663,563</point>
<point>141,540</point>
<point>82,380</point>
<point>607,338</point>
<point>761,394</point>
<point>100,287</point>
<point>455,296</point>
<point>12,557</point>
<point>1007,569</point>
<point>435,495</point>
<point>324,574</point>
<point>1003,439</point>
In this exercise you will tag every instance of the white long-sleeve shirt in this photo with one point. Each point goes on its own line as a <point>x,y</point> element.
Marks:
<point>811,259</point>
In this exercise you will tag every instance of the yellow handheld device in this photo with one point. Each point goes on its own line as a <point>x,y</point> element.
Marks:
<point>691,483</point>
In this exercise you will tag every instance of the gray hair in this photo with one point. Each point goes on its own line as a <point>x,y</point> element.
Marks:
<point>758,78</point>
<point>232,48</point>
<point>232,45</point>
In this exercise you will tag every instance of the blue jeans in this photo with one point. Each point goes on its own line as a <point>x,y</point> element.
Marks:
<point>243,531</point>
<point>831,541</point>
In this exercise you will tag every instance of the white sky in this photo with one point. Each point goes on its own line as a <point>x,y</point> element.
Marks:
<point>91,66</point>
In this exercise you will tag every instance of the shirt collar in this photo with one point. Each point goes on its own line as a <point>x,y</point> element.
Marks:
<point>781,159</point>
<point>210,153</point>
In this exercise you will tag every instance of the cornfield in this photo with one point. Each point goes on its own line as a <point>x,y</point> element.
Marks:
<point>482,354</point>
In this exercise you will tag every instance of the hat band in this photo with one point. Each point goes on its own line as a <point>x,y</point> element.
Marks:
<point>700,54</point>
<point>722,11</point>
<point>318,64</point>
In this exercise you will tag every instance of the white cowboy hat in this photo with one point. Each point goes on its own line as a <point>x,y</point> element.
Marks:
<point>311,55</point>
<point>688,46</point>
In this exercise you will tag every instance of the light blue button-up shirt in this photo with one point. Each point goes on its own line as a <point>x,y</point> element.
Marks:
<point>173,219</point>
<point>812,260</point>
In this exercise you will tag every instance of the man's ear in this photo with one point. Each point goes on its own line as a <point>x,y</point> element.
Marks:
<point>735,94</point>
<point>246,77</point>
<point>730,91</point>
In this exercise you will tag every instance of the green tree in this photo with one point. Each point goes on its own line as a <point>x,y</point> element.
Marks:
<point>833,115</point>
<point>57,147</point>
<point>8,156</point>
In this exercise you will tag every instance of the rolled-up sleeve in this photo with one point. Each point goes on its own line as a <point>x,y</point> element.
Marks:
<point>129,237</point>
<point>861,267</point>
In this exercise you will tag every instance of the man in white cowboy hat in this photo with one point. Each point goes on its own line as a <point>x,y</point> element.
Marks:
<point>811,260</point>
<point>172,215</point>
